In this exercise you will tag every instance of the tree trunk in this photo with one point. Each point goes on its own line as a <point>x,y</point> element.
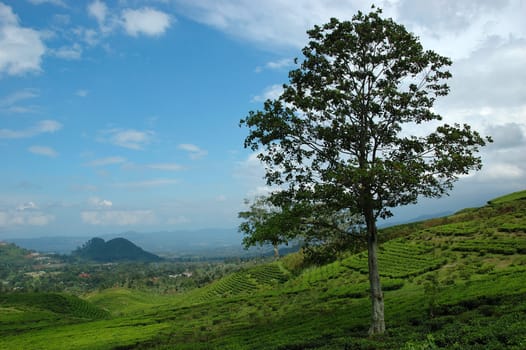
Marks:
<point>276,251</point>
<point>377,297</point>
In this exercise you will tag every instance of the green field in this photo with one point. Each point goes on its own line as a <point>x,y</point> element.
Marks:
<point>457,282</point>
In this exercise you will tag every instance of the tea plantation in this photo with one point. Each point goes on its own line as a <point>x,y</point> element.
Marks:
<point>457,282</point>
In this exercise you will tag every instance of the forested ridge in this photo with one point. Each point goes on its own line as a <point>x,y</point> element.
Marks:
<point>117,249</point>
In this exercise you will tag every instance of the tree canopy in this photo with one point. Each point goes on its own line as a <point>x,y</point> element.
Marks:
<point>265,223</point>
<point>276,219</point>
<point>350,128</point>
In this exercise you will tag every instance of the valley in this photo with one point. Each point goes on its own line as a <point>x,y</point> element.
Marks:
<point>455,282</point>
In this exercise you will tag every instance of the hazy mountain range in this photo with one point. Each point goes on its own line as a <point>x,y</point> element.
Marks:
<point>183,243</point>
<point>199,242</point>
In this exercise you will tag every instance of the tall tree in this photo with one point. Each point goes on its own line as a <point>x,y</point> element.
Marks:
<point>336,133</point>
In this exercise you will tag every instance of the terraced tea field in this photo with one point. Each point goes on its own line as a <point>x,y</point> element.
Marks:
<point>399,258</point>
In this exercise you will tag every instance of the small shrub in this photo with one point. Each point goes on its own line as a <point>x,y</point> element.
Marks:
<point>432,289</point>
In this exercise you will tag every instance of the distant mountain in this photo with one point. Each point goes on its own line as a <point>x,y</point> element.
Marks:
<point>117,249</point>
<point>214,242</point>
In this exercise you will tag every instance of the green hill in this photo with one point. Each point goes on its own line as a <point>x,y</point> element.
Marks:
<point>457,282</point>
<point>13,258</point>
<point>12,255</point>
<point>117,249</point>
<point>65,305</point>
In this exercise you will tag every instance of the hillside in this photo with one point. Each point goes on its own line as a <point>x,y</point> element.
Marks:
<point>206,242</point>
<point>12,258</point>
<point>114,250</point>
<point>12,254</point>
<point>457,282</point>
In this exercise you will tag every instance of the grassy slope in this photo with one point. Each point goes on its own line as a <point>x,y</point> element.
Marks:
<point>455,282</point>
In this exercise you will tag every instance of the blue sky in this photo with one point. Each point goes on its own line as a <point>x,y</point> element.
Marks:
<point>123,115</point>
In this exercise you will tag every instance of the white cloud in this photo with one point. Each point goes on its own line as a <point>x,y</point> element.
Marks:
<point>130,138</point>
<point>89,36</point>
<point>250,173</point>
<point>44,126</point>
<point>194,151</point>
<point>276,65</point>
<point>73,52</point>
<point>502,172</point>
<point>48,126</point>
<point>118,217</point>
<point>504,161</point>
<point>272,23</point>
<point>283,63</point>
<point>106,161</point>
<point>492,75</point>
<point>27,206</point>
<point>451,27</point>
<point>260,191</point>
<point>61,19</point>
<point>107,20</point>
<point>82,93</point>
<point>506,136</point>
<point>39,219</point>
<point>59,3</point>
<point>26,214</point>
<point>145,21</point>
<point>43,151</point>
<point>189,147</point>
<point>111,18</point>
<point>166,166</point>
<point>448,15</point>
<point>105,203</point>
<point>11,102</point>
<point>18,96</point>
<point>251,168</point>
<point>21,49</point>
<point>99,11</point>
<point>100,203</point>
<point>271,92</point>
<point>456,28</point>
